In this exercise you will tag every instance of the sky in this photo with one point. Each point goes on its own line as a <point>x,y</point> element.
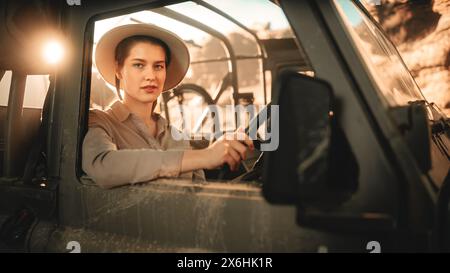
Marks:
<point>352,14</point>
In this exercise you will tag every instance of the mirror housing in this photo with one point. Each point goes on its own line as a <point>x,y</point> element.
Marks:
<point>308,168</point>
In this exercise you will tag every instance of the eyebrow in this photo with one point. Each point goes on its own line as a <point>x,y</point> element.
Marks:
<point>140,60</point>
<point>144,61</point>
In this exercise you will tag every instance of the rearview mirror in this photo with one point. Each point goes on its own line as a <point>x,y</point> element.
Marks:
<point>305,169</point>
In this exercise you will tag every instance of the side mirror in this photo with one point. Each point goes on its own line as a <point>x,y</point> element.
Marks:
<point>308,168</point>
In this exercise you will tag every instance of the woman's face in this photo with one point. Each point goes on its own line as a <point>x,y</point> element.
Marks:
<point>143,73</point>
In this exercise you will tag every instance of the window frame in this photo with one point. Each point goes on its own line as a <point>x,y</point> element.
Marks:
<point>233,59</point>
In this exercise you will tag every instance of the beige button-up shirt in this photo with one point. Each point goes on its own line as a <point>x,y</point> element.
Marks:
<point>118,149</point>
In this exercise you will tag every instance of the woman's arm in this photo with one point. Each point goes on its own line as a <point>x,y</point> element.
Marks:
<point>193,160</point>
<point>110,167</point>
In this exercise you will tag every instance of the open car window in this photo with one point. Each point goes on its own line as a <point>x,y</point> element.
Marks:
<point>233,64</point>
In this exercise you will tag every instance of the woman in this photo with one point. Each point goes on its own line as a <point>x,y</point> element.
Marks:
<point>129,143</point>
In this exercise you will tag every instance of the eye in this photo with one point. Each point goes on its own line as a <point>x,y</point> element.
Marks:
<point>159,66</point>
<point>138,65</point>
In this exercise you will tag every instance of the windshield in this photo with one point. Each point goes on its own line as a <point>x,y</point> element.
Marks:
<point>272,25</point>
<point>382,60</point>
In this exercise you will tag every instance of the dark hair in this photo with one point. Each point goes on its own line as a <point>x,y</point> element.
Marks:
<point>123,49</point>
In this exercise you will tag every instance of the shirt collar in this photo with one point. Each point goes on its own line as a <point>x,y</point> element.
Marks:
<point>162,124</point>
<point>121,112</point>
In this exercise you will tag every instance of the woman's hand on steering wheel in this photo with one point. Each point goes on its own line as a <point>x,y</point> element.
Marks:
<point>229,149</point>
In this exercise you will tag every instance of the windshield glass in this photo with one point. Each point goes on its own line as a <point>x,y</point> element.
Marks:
<point>243,43</point>
<point>380,56</point>
<point>272,25</point>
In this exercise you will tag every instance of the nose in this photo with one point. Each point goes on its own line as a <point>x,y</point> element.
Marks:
<point>149,75</point>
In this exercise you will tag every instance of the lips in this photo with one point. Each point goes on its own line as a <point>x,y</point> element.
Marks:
<point>150,88</point>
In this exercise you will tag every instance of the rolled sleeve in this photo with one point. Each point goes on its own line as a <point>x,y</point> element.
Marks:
<point>110,167</point>
<point>171,163</point>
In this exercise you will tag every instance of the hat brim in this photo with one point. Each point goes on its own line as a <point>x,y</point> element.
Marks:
<point>179,59</point>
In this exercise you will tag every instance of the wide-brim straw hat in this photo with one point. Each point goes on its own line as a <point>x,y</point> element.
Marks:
<point>179,59</point>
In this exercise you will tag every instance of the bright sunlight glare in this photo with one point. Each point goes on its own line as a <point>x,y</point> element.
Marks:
<point>53,52</point>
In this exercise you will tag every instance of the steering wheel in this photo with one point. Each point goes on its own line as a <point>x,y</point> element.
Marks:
<point>256,170</point>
